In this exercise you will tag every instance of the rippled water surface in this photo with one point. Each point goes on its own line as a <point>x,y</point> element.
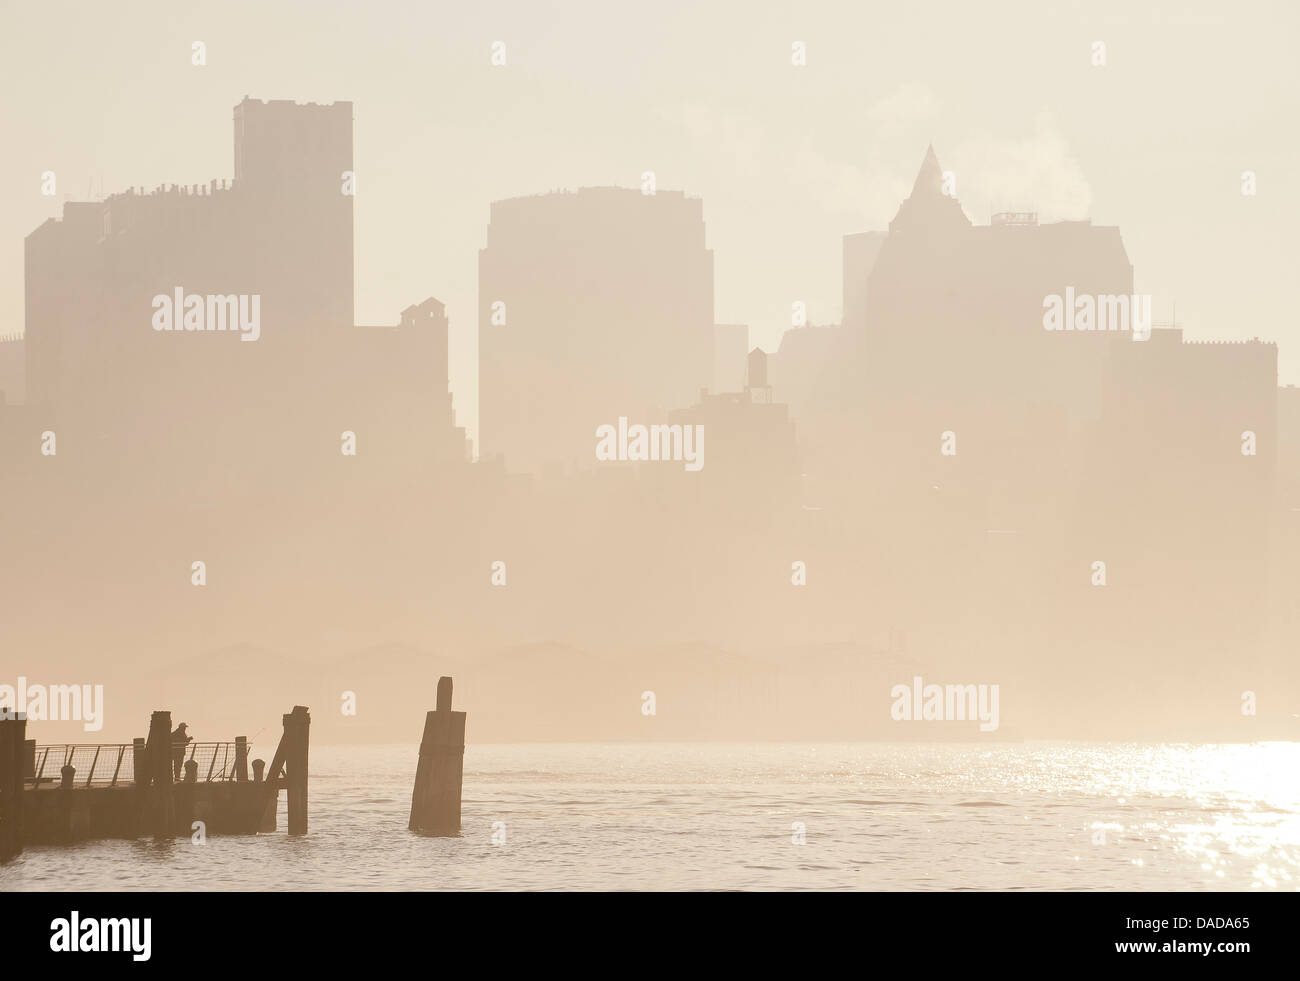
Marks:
<point>720,816</point>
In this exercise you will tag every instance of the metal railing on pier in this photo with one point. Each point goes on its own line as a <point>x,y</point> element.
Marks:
<point>113,764</point>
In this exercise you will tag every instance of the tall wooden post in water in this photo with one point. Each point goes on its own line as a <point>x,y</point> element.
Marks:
<point>291,757</point>
<point>13,733</point>
<point>435,802</point>
<point>266,823</point>
<point>159,752</point>
<point>297,729</point>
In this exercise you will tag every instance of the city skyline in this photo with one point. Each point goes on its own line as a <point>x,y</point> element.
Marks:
<point>756,165</point>
<point>934,428</point>
<point>12,355</point>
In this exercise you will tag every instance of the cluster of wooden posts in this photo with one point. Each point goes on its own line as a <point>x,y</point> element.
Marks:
<point>37,809</point>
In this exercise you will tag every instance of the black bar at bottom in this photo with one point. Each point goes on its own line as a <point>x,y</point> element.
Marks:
<point>331,930</point>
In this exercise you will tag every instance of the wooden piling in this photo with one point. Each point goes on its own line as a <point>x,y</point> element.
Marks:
<point>291,757</point>
<point>139,762</point>
<point>297,729</point>
<point>159,752</point>
<point>241,759</point>
<point>435,801</point>
<point>67,830</point>
<point>13,731</point>
<point>266,823</point>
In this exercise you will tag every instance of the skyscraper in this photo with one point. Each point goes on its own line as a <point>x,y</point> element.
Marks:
<point>593,304</point>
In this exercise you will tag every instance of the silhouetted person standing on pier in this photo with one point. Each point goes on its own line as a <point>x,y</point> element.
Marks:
<point>179,741</point>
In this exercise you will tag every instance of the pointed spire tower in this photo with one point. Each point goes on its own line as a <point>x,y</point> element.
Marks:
<point>930,177</point>
<point>927,208</point>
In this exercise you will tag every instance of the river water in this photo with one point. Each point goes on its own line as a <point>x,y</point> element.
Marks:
<point>727,816</point>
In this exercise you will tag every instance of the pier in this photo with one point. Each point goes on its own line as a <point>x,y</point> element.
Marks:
<point>63,793</point>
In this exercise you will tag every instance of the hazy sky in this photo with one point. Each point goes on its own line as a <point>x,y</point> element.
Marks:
<point>787,159</point>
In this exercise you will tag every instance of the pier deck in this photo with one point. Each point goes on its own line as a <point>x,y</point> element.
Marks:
<point>63,793</point>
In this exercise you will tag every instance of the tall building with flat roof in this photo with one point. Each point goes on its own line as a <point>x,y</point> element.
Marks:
<point>194,404</point>
<point>281,229</point>
<point>593,304</point>
<point>290,167</point>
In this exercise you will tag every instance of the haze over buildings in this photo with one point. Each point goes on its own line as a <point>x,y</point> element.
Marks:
<point>787,160</point>
<point>926,488</point>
